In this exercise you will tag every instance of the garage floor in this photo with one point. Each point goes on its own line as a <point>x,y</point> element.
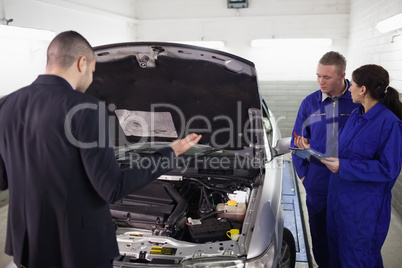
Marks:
<point>390,251</point>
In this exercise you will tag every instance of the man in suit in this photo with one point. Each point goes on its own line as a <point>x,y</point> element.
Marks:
<point>60,170</point>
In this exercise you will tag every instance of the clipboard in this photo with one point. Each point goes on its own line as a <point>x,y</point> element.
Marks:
<point>305,154</point>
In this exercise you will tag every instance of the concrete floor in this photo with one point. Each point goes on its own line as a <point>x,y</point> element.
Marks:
<point>391,250</point>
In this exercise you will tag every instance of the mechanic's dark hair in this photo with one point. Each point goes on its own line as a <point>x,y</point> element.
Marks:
<point>67,47</point>
<point>334,58</point>
<point>376,80</point>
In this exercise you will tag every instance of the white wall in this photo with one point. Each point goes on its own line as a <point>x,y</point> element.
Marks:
<point>350,23</point>
<point>368,45</point>
<point>184,20</point>
<point>99,21</point>
<point>22,59</point>
<point>23,56</point>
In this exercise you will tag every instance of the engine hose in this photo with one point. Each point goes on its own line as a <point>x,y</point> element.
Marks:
<point>180,208</point>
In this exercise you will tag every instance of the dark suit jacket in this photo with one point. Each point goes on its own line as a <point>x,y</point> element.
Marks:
<point>59,193</point>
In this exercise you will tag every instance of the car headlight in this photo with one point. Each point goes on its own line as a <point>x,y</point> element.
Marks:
<point>214,262</point>
<point>265,260</point>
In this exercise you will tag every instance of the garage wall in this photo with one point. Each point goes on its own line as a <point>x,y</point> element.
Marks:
<point>284,98</point>
<point>98,21</point>
<point>178,20</point>
<point>24,57</point>
<point>367,45</point>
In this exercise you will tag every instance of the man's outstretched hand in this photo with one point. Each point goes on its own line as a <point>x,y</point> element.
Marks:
<point>181,146</point>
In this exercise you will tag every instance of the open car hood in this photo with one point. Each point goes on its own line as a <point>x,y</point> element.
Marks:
<point>163,91</point>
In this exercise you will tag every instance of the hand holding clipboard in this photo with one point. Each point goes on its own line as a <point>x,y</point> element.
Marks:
<point>303,149</point>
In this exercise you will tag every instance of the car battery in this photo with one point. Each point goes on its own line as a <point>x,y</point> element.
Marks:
<point>209,230</point>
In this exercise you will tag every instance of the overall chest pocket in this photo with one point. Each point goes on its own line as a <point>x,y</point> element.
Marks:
<point>364,148</point>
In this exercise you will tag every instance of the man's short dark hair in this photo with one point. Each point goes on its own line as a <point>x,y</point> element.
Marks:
<point>67,47</point>
<point>334,58</point>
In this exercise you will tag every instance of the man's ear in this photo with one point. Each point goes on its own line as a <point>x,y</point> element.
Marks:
<point>82,64</point>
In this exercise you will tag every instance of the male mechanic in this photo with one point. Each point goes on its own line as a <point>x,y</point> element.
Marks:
<point>320,116</point>
<point>61,173</point>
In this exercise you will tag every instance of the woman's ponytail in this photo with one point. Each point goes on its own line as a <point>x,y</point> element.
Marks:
<point>393,102</point>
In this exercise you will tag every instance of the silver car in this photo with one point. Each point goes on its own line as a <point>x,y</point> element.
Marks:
<point>221,204</point>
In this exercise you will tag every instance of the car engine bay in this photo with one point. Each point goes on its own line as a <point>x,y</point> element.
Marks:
<point>196,210</point>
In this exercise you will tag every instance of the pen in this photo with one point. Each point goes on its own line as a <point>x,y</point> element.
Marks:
<point>294,132</point>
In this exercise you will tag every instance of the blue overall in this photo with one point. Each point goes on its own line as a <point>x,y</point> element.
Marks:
<point>359,196</point>
<point>319,121</point>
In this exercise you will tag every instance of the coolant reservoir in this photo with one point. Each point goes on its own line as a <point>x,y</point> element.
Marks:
<point>233,210</point>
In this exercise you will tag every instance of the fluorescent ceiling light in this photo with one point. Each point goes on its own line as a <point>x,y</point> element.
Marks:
<point>25,33</point>
<point>390,24</point>
<point>292,42</point>
<point>207,44</point>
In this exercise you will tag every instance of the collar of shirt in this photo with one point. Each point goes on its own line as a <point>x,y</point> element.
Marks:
<point>372,112</point>
<point>62,78</point>
<point>334,98</point>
